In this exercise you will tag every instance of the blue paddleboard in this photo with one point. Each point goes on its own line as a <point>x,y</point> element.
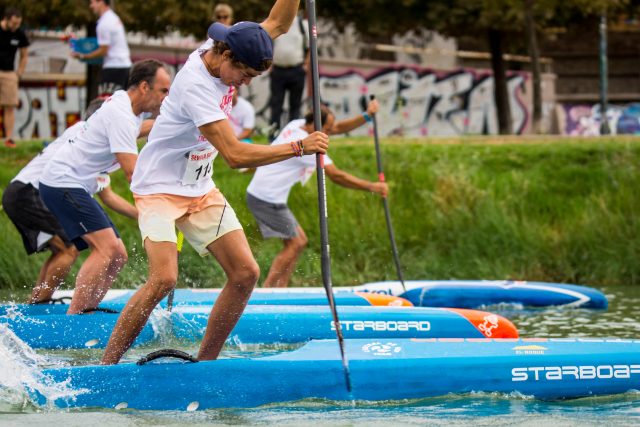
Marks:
<point>265,324</point>
<point>386,369</point>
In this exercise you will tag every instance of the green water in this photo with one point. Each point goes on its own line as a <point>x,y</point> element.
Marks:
<point>620,320</point>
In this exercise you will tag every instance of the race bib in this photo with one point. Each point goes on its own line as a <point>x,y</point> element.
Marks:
<point>199,165</point>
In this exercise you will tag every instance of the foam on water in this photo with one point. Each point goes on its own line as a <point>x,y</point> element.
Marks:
<point>20,373</point>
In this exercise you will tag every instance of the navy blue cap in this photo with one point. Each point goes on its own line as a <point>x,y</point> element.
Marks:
<point>248,41</point>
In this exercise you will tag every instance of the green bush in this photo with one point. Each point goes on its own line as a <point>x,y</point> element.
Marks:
<point>551,210</point>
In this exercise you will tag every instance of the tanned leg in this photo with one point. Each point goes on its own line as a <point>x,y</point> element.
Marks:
<point>163,274</point>
<point>108,256</point>
<point>285,262</point>
<point>234,256</point>
<point>54,270</point>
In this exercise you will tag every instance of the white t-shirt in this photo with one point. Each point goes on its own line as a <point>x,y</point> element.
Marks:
<point>112,129</point>
<point>200,50</point>
<point>178,159</point>
<point>272,183</point>
<point>242,116</point>
<point>288,49</point>
<point>30,174</point>
<point>110,32</point>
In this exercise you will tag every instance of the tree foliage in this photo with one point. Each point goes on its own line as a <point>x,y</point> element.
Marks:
<point>371,17</point>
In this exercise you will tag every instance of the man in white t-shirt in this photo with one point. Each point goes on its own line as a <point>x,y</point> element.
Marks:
<point>106,142</point>
<point>112,47</point>
<point>172,182</point>
<point>242,118</point>
<point>39,229</point>
<point>269,189</point>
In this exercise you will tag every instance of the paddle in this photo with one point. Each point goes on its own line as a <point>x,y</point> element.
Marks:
<point>173,291</point>
<point>322,199</point>
<point>385,202</point>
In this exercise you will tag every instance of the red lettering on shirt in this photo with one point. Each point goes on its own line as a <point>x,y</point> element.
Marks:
<point>198,157</point>
<point>227,101</point>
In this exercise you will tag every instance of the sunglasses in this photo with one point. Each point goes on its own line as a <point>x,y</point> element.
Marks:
<point>221,17</point>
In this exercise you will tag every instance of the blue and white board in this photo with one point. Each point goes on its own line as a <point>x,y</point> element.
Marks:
<point>389,369</point>
<point>477,293</point>
<point>266,324</point>
<point>421,293</point>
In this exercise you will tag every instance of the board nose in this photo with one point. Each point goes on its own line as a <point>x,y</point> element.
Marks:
<point>489,324</point>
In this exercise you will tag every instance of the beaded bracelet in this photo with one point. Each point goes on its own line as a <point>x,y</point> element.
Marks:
<point>296,149</point>
<point>301,147</point>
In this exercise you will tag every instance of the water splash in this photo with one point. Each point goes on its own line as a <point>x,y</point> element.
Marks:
<point>162,325</point>
<point>21,375</point>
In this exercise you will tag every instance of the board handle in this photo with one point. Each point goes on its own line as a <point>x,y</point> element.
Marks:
<point>166,352</point>
<point>99,310</point>
<point>61,300</point>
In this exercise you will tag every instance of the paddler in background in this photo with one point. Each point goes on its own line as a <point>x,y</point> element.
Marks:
<point>269,189</point>
<point>40,230</point>
<point>106,142</point>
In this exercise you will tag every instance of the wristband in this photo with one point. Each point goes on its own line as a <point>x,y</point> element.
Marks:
<point>296,149</point>
<point>367,117</point>
<point>301,147</point>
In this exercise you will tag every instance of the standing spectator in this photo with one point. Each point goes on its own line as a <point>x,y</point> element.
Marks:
<point>242,118</point>
<point>12,38</point>
<point>112,46</point>
<point>223,13</point>
<point>288,74</point>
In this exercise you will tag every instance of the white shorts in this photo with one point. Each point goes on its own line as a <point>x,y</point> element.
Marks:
<point>202,220</point>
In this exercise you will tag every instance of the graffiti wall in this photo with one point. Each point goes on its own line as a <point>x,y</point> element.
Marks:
<point>47,108</point>
<point>414,102</point>
<point>585,120</point>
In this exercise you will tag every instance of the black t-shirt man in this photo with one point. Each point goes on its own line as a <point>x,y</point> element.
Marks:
<point>10,42</point>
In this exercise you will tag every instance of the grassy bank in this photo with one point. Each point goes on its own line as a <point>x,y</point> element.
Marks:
<point>548,209</point>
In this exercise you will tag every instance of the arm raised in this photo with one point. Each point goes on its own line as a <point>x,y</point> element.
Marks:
<point>355,122</point>
<point>280,18</point>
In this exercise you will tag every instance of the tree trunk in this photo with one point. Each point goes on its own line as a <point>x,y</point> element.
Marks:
<point>534,54</point>
<point>501,94</point>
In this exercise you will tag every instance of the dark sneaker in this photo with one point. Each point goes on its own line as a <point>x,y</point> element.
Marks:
<point>9,143</point>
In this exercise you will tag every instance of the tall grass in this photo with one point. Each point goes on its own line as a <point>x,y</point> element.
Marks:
<point>554,210</point>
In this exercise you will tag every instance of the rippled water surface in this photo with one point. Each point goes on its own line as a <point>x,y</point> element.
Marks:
<point>621,320</point>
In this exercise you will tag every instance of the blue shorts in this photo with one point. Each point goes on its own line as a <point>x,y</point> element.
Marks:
<point>76,211</point>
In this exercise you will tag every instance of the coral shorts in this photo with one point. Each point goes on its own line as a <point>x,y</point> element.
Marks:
<point>202,220</point>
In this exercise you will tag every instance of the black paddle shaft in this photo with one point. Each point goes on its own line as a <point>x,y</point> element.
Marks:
<point>322,196</point>
<point>385,202</point>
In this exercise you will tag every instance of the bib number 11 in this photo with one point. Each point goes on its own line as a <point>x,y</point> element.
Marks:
<point>199,166</point>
